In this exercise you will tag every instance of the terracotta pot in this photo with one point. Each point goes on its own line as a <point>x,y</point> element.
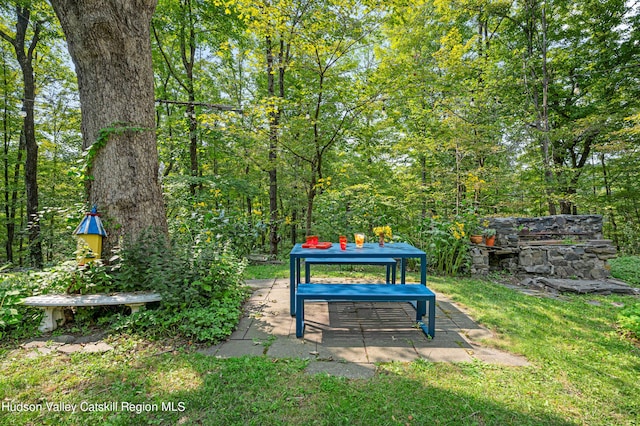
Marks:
<point>476,239</point>
<point>490,241</point>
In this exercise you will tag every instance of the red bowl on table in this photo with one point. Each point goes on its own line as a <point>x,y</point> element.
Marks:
<point>319,245</point>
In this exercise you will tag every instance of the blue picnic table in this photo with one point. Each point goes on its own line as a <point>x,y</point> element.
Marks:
<point>362,292</point>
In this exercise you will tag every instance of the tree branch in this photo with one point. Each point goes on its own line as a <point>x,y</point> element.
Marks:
<point>218,107</point>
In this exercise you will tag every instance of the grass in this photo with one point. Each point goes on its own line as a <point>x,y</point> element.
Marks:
<point>626,268</point>
<point>582,372</point>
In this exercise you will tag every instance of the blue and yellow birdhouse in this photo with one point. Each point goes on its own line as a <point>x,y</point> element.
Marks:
<point>90,233</point>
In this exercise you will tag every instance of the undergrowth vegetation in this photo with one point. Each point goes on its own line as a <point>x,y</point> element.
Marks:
<point>626,268</point>
<point>201,285</point>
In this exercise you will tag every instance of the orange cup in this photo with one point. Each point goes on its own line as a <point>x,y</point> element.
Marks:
<point>343,242</point>
<point>359,240</point>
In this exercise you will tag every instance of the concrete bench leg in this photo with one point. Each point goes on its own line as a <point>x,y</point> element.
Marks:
<point>52,316</point>
<point>135,307</point>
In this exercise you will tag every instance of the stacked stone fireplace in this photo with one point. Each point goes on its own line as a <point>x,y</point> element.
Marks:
<point>562,246</point>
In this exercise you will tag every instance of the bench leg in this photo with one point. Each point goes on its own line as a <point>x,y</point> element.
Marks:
<point>307,273</point>
<point>135,307</point>
<point>430,329</point>
<point>432,317</point>
<point>52,315</point>
<point>421,309</point>
<point>299,317</point>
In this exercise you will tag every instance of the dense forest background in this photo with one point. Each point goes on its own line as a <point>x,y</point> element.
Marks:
<point>281,118</point>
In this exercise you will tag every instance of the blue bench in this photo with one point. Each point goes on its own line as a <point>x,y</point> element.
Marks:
<point>369,293</point>
<point>389,262</point>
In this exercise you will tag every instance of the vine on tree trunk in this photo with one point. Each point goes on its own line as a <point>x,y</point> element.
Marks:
<point>116,128</point>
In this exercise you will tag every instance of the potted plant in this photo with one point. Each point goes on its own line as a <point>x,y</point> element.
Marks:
<point>382,232</point>
<point>489,235</point>
<point>476,238</point>
<point>474,230</point>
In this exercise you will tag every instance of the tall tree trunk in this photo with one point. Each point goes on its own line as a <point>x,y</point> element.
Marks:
<point>546,143</point>
<point>24,55</point>
<point>311,195</point>
<point>11,192</point>
<point>423,185</point>
<point>187,43</point>
<point>294,226</point>
<point>541,106</point>
<point>188,53</point>
<point>31,169</point>
<point>109,42</point>
<point>193,145</point>
<point>9,207</point>
<point>274,121</point>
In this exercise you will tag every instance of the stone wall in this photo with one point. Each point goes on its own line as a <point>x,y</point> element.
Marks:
<point>512,230</point>
<point>562,246</point>
<point>586,261</point>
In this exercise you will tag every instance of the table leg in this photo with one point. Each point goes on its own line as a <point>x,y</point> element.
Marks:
<point>300,318</point>
<point>292,285</point>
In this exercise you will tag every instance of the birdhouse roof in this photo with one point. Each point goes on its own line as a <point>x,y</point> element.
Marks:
<point>91,224</point>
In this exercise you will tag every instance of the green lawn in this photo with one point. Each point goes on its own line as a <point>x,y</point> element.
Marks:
<point>582,372</point>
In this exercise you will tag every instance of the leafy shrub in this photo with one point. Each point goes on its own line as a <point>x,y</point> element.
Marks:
<point>629,319</point>
<point>67,277</point>
<point>628,237</point>
<point>201,285</point>
<point>446,244</point>
<point>626,268</point>
<point>219,227</point>
<point>207,324</point>
<point>9,314</point>
<point>185,276</point>
<point>13,288</point>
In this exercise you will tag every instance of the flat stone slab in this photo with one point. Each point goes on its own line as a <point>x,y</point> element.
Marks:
<point>68,349</point>
<point>91,299</point>
<point>581,286</point>
<point>38,348</point>
<point>98,347</point>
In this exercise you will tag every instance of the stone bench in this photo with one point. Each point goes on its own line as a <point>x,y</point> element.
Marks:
<point>53,304</point>
<point>369,293</point>
<point>389,262</point>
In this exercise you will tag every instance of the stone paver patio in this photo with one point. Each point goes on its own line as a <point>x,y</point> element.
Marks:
<point>347,338</point>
